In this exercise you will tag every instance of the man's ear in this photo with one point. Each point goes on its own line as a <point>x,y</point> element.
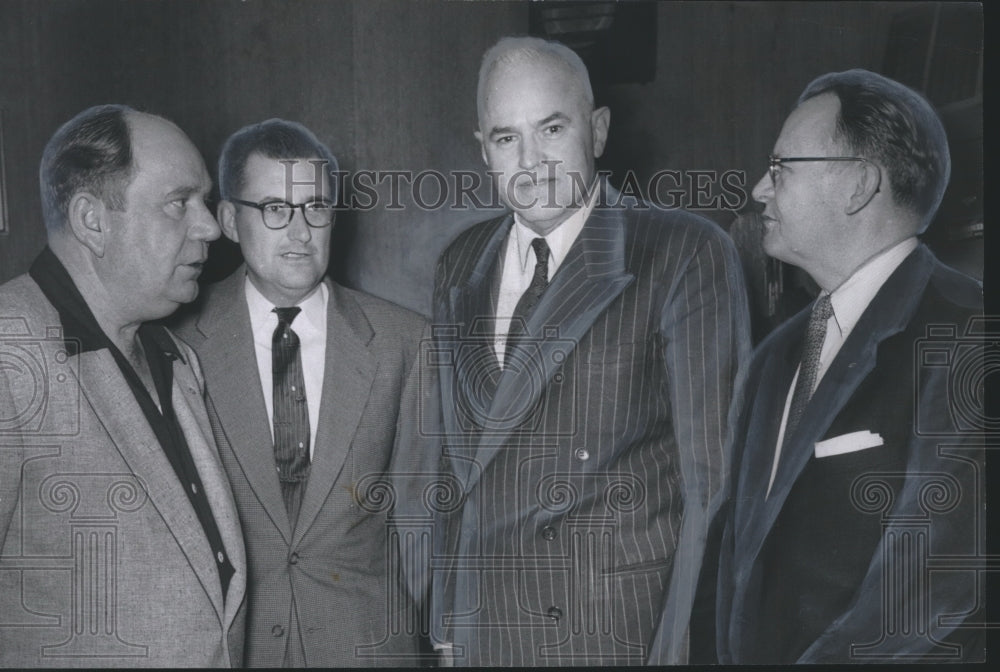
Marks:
<point>87,220</point>
<point>600,121</point>
<point>482,146</point>
<point>867,186</point>
<point>226,214</point>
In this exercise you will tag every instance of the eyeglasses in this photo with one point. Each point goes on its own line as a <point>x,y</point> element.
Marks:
<point>774,164</point>
<point>278,214</point>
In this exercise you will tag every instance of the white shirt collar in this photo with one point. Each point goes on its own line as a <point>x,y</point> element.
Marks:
<point>852,297</point>
<point>560,239</point>
<point>263,320</point>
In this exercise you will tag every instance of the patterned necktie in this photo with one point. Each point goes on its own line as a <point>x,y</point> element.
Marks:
<point>291,414</point>
<point>539,281</point>
<point>815,335</point>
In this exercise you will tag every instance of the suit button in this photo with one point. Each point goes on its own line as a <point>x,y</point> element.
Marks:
<point>548,533</point>
<point>555,613</point>
<point>293,559</point>
<point>278,631</point>
<point>582,454</point>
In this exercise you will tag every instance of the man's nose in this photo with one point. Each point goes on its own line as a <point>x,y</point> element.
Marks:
<point>531,153</point>
<point>298,229</point>
<point>763,191</point>
<point>204,227</point>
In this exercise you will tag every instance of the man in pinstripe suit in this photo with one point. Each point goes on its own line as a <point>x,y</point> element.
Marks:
<point>587,351</point>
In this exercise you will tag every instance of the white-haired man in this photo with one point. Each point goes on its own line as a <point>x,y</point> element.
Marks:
<point>587,353</point>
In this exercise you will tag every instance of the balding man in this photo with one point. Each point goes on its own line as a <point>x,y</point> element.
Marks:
<point>587,351</point>
<point>119,539</point>
<point>857,451</point>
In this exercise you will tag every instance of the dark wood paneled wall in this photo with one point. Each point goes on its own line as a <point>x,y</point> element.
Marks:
<point>390,84</point>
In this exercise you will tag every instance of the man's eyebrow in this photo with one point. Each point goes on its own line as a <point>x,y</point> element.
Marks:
<point>509,130</point>
<point>555,116</point>
<point>502,130</point>
<point>189,189</point>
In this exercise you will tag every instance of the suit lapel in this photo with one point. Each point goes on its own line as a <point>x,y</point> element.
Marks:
<point>475,307</point>
<point>348,376</point>
<point>591,276</point>
<point>477,370</point>
<point>230,362</point>
<point>191,415</point>
<point>111,398</point>
<point>888,314</point>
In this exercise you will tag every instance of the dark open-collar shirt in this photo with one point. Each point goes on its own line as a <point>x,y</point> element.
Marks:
<point>80,327</point>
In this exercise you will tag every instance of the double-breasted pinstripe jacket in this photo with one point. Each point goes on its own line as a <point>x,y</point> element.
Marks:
<point>589,466</point>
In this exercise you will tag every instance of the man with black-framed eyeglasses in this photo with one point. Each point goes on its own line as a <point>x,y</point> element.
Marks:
<point>308,382</point>
<point>856,457</point>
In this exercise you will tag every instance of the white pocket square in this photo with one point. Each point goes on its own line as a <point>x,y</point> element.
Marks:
<point>848,443</point>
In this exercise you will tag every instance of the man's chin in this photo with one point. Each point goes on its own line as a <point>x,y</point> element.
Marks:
<point>543,220</point>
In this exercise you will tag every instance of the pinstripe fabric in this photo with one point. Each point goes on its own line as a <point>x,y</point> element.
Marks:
<point>600,452</point>
<point>291,415</point>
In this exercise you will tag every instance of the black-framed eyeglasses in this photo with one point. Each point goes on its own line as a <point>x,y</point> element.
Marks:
<point>278,214</point>
<point>774,164</point>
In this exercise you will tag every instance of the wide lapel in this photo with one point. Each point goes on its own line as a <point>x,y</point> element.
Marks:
<point>781,353</point>
<point>888,314</point>
<point>348,376</point>
<point>229,362</point>
<point>109,395</point>
<point>472,307</point>
<point>591,276</point>
<point>189,406</point>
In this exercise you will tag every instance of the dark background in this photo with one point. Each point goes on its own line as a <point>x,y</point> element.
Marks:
<point>390,84</point>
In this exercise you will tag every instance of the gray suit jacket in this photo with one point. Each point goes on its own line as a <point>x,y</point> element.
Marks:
<point>333,578</point>
<point>589,466</point>
<point>102,560</point>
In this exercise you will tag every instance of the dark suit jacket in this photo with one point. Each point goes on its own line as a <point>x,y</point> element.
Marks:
<point>801,575</point>
<point>590,464</point>
<point>330,577</point>
<point>103,562</point>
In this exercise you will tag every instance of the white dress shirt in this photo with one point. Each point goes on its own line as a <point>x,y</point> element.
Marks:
<point>519,265</point>
<point>310,326</point>
<point>848,301</point>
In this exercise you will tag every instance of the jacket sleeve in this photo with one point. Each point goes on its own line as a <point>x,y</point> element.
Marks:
<point>706,334</point>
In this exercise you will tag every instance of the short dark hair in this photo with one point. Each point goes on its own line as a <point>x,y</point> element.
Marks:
<point>90,152</point>
<point>275,139</point>
<point>887,122</point>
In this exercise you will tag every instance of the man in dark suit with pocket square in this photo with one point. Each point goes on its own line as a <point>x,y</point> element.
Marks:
<point>857,509</point>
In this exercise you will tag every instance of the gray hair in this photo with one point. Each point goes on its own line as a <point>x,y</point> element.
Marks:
<point>526,49</point>
<point>885,121</point>
<point>90,152</point>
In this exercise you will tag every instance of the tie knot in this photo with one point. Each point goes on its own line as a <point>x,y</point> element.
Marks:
<point>287,315</point>
<point>823,309</point>
<point>541,250</point>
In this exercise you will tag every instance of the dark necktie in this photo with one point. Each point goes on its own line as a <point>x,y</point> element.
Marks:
<point>539,281</point>
<point>291,414</point>
<point>815,334</point>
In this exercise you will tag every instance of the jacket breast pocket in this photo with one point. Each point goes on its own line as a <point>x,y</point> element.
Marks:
<point>617,355</point>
